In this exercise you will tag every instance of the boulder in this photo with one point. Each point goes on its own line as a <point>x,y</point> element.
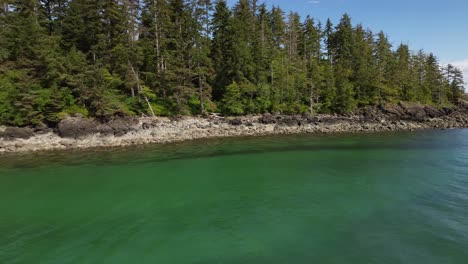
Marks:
<point>146,126</point>
<point>267,119</point>
<point>449,110</point>
<point>370,114</point>
<point>10,133</point>
<point>308,118</point>
<point>289,121</point>
<point>75,127</point>
<point>123,125</point>
<point>331,120</point>
<point>433,112</point>
<point>414,112</point>
<point>41,129</point>
<point>104,129</point>
<point>235,122</point>
<point>393,112</point>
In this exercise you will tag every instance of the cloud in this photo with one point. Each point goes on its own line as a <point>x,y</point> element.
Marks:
<point>463,66</point>
<point>314,2</point>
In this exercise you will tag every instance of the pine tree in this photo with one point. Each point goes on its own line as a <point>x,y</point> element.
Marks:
<point>433,80</point>
<point>385,65</point>
<point>403,78</point>
<point>202,13</point>
<point>342,48</point>
<point>162,57</point>
<point>222,48</point>
<point>311,52</point>
<point>364,68</point>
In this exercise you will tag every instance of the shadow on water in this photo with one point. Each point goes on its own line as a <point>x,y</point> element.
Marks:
<point>210,148</point>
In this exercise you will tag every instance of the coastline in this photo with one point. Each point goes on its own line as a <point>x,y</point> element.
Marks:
<point>82,133</point>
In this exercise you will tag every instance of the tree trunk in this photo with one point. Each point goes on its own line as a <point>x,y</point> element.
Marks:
<point>200,91</point>
<point>311,99</point>
<point>139,88</point>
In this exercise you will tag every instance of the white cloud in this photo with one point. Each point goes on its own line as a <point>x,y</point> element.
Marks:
<point>463,66</point>
<point>314,2</point>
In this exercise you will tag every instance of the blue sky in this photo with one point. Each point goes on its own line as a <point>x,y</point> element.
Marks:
<point>436,26</point>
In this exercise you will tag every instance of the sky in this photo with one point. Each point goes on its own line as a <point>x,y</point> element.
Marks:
<point>436,26</point>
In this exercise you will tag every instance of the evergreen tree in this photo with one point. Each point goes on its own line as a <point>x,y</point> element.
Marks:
<point>167,57</point>
<point>222,48</point>
<point>385,66</point>
<point>342,48</point>
<point>433,80</point>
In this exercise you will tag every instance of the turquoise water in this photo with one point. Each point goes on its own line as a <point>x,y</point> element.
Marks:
<point>386,198</point>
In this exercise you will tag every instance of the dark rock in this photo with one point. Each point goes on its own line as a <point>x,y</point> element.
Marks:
<point>331,120</point>
<point>289,121</point>
<point>250,124</point>
<point>75,127</point>
<point>433,112</point>
<point>123,125</point>
<point>267,119</point>
<point>235,122</point>
<point>311,120</point>
<point>104,129</point>
<point>146,126</point>
<point>12,133</point>
<point>393,112</point>
<point>66,144</point>
<point>42,129</point>
<point>120,134</point>
<point>448,110</point>
<point>414,112</point>
<point>176,118</point>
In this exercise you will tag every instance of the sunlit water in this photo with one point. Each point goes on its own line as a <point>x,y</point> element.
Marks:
<point>386,198</point>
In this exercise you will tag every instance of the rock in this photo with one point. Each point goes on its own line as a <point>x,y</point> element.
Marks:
<point>42,129</point>
<point>120,134</point>
<point>433,112</point>
<point>66,143</point>
<point>448,110</point>
<point>235,122</point>
<point>123,125</point>
<point>415,112</point>
<point>176,118</point>
<point>11,133</point>
<point>330,120</point>
<point>146,126</point>
<point>392,111</point>
<point>75,127</point>
<point>289,121</point>
<point>267,119</point>
<point>104,129</point>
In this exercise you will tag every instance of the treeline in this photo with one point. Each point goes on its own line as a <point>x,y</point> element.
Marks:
<point>186,57</point>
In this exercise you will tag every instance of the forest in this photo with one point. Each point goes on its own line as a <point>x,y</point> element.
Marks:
<point>111,58</point>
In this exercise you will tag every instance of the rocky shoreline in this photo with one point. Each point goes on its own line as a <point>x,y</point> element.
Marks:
<point>77,132</point>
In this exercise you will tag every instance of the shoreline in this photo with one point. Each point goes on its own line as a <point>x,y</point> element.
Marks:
<point>82,133</point>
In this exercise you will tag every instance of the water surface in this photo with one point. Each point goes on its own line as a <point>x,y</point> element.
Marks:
<point>384,198</point>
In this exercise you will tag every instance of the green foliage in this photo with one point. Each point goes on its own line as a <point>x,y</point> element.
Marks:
<point>191,57</point>
<point>232,101</point>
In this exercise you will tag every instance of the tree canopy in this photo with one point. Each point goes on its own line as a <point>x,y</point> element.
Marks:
<point>191,57</point>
